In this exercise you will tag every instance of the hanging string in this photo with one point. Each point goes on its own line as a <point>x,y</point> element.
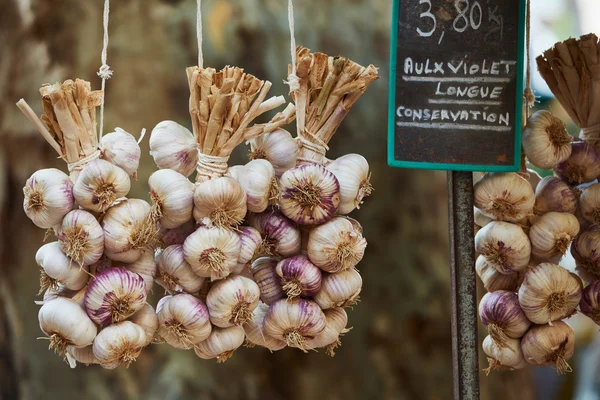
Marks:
<point>293,81</point>
<point>104,72</point>
<point>199,32</point>
<point>528,95</point>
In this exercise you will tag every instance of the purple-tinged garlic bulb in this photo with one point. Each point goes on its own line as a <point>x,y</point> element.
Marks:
<point>590,302</point>
<point>232,301</point>
<point>339,290</point>
<point>99,185</point>
<point>546,141</point>
<point>175,274</point>
<point>504,245</point>
<point>501,314</point>
<point>585,249</point>
<point>172,197</point>
<point>552,234</point>
<point>219,202</point>
<point>174,147</point>
<point>281,236</point>
<point>583,165</point>
<point>121,149</point>
<point>169,237</point>
<point>212,252</point>
<point>503,358</point>
<point>299,277</point>
<point>277,147</point>
<point>549,345</point>
<point>255,330</point>
<point>504,196</point>
<point>553,194</point>
<point>183,321</point>
<point>494,280</point>
<point>250,240</point>
<point>336,320</point>
<point>589,203</point>
<point>265,276</point>
<point>352,173</point>
<point>81,237</point>
<point>57,268</point>
<point>221,344</point>
<point>119,344</point>
<point>48,197</point>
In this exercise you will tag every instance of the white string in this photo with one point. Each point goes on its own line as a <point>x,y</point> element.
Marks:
<point>199,32</point>
<point>79,164</point>
<point>104,72</point>
<point>293,81</point>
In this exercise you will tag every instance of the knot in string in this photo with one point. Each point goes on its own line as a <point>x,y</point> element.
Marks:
<point>105,72</point>
<point>528,97</point>
<point>81,163</point>
<point>293,82</point>
<point>211,166</point>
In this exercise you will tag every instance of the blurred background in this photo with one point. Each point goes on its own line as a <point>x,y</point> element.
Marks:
<point>400,346</point>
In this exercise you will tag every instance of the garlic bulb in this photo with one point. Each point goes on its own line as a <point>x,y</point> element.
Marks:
<point>67,324</point>
<point>48,197</point>
<point>583,165</point>
<point>84,355</point>
<point>119,344</point>
<point>294,321</point>
<point>121,149</point>
<point>589,203</point>
<point>549,345</point>
<point>250,240</point>
<point>534,178</point>
<point>172,197</point>
<point>553,194</point>
<point>352,173</point>
<point>501,314</point>
<point>590,302</point>
<point>220,202</point>
<point>221,343</point>
<point>212,252</point>
<point>339,290</point>
<point>129,230</point>
<point>336,320</point>
<point>507,357</point>
<point>310,194</point>
<point>174,147</point>
<point>504,245</point>
<point>552,234</point>
<point>584,250</point>
<point>549,293</point>
<point>277,147</point>
<point>147,319</point>
<point>546,141</point>
<point>183,321</point>
<point>258,181</point>
<point>281,236</point>
<point>335,245</point>
<point>504,196</point>
<point>265,276</point>
<point>99,185</point>
<point>231,301</point>
<point>299,277</point>
<point>58,268</point>
<point>145,266</point>
<point>114,295</point>
<point>169,237</point>
<point>480,219</point>
<point>175,274</point>
<point>81,237</point>
<point>255,331</point>
<point>494,280</point>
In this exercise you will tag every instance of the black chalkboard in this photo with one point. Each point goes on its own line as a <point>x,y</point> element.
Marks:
<point>456,84</point>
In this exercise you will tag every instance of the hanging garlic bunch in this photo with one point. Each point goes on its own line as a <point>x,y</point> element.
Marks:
<point>352,173</point>
<point>494,280</point>
<point>231,301</point>
<point>506,357</point>
<point>81,237</point>
<point>299,277</point>
<point>175,274</point>
<point>277,147</point>
<point>172,197</point>
<point>551,235</point>
<point>339,290</point>
<point>255,331</point>
<point>265,276</point>
<point>57,268</point>
<point>221,343</point>
<point>589,203</point>
<point>99,185</point>
<point>250,241</point>
<point>145,266</point>
<point>336,320</point>
<point>220,202</point>
<point>553,194</point>
<point>501,314</point>
<point>549,345</point>
<point>183,321</point>
<point>310,194</point>
<point>121,149</point>
<point>504,245</point>
<point>212,252</point>
<point>174,147</point>
<point>504,196</point>
<point>257,179</point>
<point>119,344</point>
<point>146,319</point>
<point>281,236</point>
<point>48,197</point>
<point>584,250</point>
<point>583,165</point>
<point>549,293</point>
<point>546,141</point>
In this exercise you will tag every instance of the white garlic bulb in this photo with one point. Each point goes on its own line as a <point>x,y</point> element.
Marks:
<point>589,203</point>
<point>172,197</point>
<point>310,194</point>
<point>48,197</point>
<point>221,343</point>
<point>232,300</point>
<point>339,290</point>
<point>145,266</point>
<point>175,274</point>
<point>212,252</point>
<point>174,147</point>
<point>480,219</point>
<point>66,324</point>
<point>258,180</point>
<point>494,280</point>
<point>121,149</point>
<point>119,344</point>
<point>553,194</point>
<point>504,196</point>
<point>281,236</point>
<point>220,202</point>
<point>58,268</point>
<point>183,321</point>
<point>147,319</point>
<point>352,173</point>
<point>552,234</point>
<point>504,245</point>
<point>81,237</point>
<point>336,320</point>
<point>255,331</point>
<point>99,185</point>
<point>277,147</point>
<point>84,355</point>
<point>507,357</point>
<point>549,345</point>
<point>546,141</point>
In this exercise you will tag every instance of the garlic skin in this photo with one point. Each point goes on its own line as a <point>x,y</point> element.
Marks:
<point>534,179</point>
<point>583,165</point>
<point>255,331</point>
<point>183,321</point>
<point>145,266</point>
<point>250,240</point>
<point>231,301</point>
<point>265,276</point>
<point>501,358</point>
<point>335,245</point>
<point>339,290</point>
<point>494,280</point>
<point>81,237</point>
<point>546,141</point>
<point>84,355</point>
<point>212,252</point>
<point>221,344</point>
<point>504,245</point>
<point>552,234</point>
<point>310,194</point>
<point>119,344</point>
<point>99,185</point>
<point>174,147</point>
<point>299,277</point>
<point>480,219</point>
<point>172,197</point>
<point>504,196</point>
<point>501,314</point>
<point>294,321</point>
<point>66,324</point>
<point>549,345</point>
<point>589,203</point>
<point>549,293</point>
<point>48,197</point>
<point>281,237</point>
<point>220,202</point>
<point>590,302</point>
<point>175,274</point>
<point>258,181</point>
<point>147,319</point>
<point>169,237</point>
<point>129,230</point>
<point>277,147</point>
<point>584,250</point>
<point>58,268</point>
<point>553,194</point>
<point>121,149</point>
<point>336,320</point>
<point>352,173</point>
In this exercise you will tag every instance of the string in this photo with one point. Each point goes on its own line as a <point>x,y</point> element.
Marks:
<point>293,81</point>
<point>104,72</point>
<point>199,32</point>
<point>528,93</point>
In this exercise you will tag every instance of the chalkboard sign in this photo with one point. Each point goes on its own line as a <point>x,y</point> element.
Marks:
<point>456,84</point>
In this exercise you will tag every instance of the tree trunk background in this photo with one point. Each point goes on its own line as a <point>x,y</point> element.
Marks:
<point>400,346</point>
